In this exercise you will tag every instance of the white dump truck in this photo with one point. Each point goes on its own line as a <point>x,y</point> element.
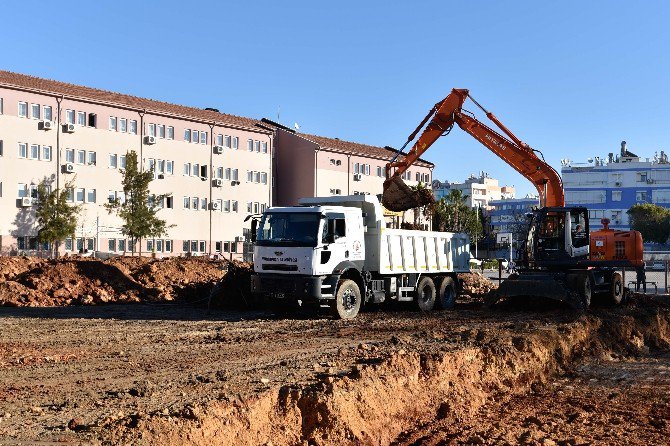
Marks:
<point>338,252</point>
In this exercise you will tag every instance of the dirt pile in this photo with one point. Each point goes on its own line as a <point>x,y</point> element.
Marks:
<point>475,284</point>
<point>26,281</point>
<point>451,381</point>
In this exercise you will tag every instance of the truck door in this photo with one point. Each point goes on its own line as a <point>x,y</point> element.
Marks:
<point>333,245</point>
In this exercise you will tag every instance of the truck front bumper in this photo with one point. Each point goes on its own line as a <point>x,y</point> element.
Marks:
<point>307,288</point>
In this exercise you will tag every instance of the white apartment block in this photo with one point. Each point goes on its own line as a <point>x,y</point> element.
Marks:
<point>216,167</point>
<point>479,190</point>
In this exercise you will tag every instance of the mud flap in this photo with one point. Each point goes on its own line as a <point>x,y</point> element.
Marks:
<point>398,196</point>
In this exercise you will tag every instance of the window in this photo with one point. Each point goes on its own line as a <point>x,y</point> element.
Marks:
<point>195,136</point>
<point>122,161</point>
<point>250,176</point>
<point>46,153</point>
<point>228,170</point>
<point>236,141</point>
<point>159,245</point>
<point>22,191</point>
<point>202,246</point>
<point>219,140</point>
<point>123,125</point>
<point>93,120</point>
<point>170,132</point>
<point>264,146</point>
<point>169,202</point>
<point>35,111</point>
<point>257,177</point>
<point>152,129</point>
<point>1,106</point>
<point>195,170</point>
<point>23,109</point>
<point>217,246</point>
<point>23,150</point>
<point>616,195</point>
<point>642,177</point>
<point>256,208</point>
<point>168,245</point>
<point>234,205</point>
<point>187,203</point>
<point>203,204</point>
<point>79,195</point>
<point>195,203</point>
<point>226,246</point>
<point>69,116</point>
<point>122,245</point>
<point>161,131</point>
<point>81,156</point>
<point>34,152</point>
<point>68,244</point>
<point>228,141</point>
<point>113,161</point>
<point>219,202</point>
<point>133,127</point>
<point>187,135</point>
<point>111,196</point>
<point>48,116</point>
<point>187,169</point>
<point>203,138</point>
<point>235,176</point>
<point>150,245</point>
<point>161,166</point>
<point>641,195</point>
<point>380,171</point>
<point>69,155</point>
<point>250,207</point>
<point>357,168</point>
<point>92,158</point>
<point>90,196</point>
<point>219,173</point>
<point>111,244</point>
<point>169,167</point>
<point>194,245</point>
<point>264,178</point>
<point>226,205</point>
<point>250,145</point>
<point>185,245</point>
<point>257,146</point>
<point>81,118</point>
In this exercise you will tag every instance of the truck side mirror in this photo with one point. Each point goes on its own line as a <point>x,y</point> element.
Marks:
<point>254,229</point>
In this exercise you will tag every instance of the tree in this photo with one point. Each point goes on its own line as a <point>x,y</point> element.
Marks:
<point>652,221</point>
<point>139,209</point>
<point>452,214</point>
<point>56,219</point>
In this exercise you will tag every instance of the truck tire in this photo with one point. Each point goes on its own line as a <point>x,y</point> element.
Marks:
<point>584,290</point>
<point>425,294</point>
<point>617,291</point>
<point>347,301</point>
<point>446,294</point>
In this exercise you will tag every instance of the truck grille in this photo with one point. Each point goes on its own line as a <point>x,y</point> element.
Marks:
<point>278,267</point>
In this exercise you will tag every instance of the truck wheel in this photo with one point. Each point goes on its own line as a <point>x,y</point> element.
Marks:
<point>446,295</point>
<point>347,300</point>
<point>425,294</point>
<point>616,290</point>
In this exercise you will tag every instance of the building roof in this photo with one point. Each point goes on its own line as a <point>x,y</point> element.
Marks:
<point>94,95</point>
<point>354,148</point>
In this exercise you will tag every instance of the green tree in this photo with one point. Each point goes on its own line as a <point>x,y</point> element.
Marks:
<point>452,214</point>
<point>652,221</point>
<point>56,218</point>
<point>140,208</point>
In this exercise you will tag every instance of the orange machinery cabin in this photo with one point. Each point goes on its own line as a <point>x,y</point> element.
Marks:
<point>615,245</point>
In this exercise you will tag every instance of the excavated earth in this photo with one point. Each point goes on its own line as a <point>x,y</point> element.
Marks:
<point>166,371</point>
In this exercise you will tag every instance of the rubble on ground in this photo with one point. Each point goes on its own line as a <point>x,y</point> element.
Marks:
<point>475,284</point>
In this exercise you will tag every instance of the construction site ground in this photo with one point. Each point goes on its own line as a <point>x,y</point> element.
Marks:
<point>167,370</point>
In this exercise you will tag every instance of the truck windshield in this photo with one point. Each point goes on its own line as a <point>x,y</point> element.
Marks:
<point>288,229</point>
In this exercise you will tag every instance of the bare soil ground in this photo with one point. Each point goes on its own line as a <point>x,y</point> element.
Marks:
<point>162,372</point>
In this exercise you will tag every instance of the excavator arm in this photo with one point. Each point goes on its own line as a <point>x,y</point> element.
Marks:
<point>398,196</point>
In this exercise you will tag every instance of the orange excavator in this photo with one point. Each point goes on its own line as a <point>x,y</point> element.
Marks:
<point>562,259</point>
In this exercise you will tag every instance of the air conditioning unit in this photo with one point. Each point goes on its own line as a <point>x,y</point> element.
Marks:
<point>218,150</point>
<point>161,176</point>
<point>357,177</point>
<point>149,140</point>
<point>234,183</point>
<point>45,125</point>
<point>68,168</point>
<point>217,182</point>
<point>617,222</point>
<point>26,202</point>
<point>68,128</point>
<point>240,238</point>
<point>215,205</point>
<point>617,184</point>
<point>650,181</point>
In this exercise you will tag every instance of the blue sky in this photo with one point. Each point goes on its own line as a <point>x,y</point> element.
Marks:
<point>570,78</point>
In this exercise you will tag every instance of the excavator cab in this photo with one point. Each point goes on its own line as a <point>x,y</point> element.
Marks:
<point>558,237</point>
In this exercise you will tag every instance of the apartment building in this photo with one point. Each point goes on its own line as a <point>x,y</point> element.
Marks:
<point>217,168</point>
<point>312,165</point>
<point>609,186</point>
<point>478,190</point>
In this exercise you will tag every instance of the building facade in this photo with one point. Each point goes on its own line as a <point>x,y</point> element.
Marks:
<point>216,168</point>
<point>478,190</point>
<point>311,165</point>
<point>609,186</point>
<point>509,215</point>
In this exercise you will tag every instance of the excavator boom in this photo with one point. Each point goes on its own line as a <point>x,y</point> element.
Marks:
<point>398,196</point>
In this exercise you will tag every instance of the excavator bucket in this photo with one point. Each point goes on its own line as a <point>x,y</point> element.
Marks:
<point>399,197</point>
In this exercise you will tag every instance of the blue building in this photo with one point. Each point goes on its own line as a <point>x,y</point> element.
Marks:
<point>609,186</point>
<point>509,215</point>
